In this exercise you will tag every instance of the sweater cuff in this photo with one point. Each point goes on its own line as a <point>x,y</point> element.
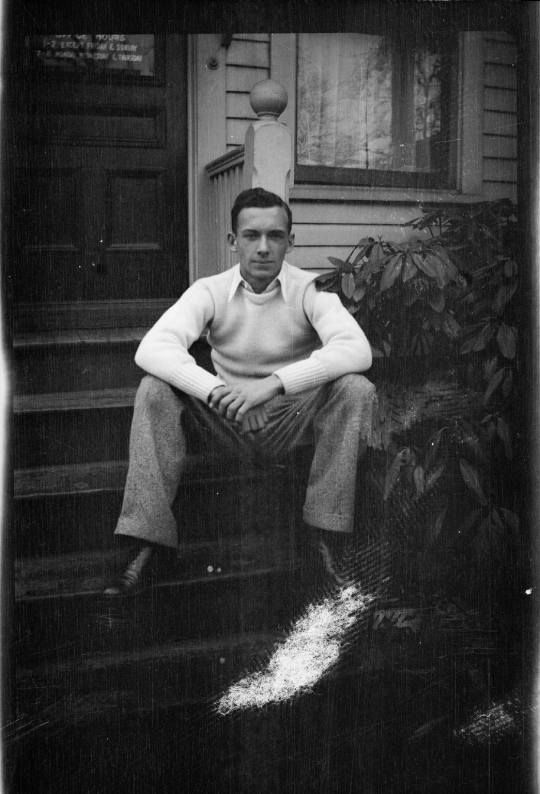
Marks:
<point>302,375</point>
<point>196,381</point>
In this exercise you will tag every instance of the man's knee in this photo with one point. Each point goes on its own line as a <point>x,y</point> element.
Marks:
<point>155,393</point>
<point>354,387</point>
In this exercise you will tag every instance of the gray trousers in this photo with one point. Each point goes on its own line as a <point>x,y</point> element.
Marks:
<point>336,417</point>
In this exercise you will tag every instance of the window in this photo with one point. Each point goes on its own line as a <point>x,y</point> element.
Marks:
<point>374,109</point>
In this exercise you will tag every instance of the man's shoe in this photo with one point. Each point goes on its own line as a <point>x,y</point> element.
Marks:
<point>333,547</point>
<point>131,581</point>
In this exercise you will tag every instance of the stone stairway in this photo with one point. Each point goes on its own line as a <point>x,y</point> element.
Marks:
<point>223,601</point>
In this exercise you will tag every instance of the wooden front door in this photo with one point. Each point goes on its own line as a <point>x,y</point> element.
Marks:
<point>98,169</point>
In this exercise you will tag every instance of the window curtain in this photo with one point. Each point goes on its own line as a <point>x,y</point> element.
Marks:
<point>344,100</point>
<point>366,101</point>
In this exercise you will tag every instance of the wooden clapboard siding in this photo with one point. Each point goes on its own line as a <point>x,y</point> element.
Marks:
<point>326,228</point>
<point>357,214</point>
<point>309,235</point>
<point>316,257</point>
<point>499,164</point>
<point>248,62</point>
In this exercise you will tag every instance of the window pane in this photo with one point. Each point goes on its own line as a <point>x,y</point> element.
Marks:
<point>365,102</point>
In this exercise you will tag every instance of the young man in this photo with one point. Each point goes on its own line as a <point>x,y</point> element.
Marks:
<point>287,358</point>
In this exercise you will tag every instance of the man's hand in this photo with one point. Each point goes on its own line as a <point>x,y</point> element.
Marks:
<point>254,420</point>
<point>234,402</point>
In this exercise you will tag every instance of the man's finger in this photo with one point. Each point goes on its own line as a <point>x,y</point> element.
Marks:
<point>235,409</point>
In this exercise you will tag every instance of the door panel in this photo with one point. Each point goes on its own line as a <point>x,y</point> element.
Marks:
<point>99,176</point>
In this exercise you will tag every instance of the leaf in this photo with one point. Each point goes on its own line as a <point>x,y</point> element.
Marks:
<point>472,480</point>
<point>467,347</point>
<point>327,280</point>
<point>348,285</point>
<point>432,478</point>
<point>437,301</point>
<point>339,263</point>
<point>489,367</point>
<point>418,476</point>
<point>483,337</point>
<point>470,440</point>
<point>450,326</point>
<point>432,267</point>
<point>451,269</point>
<point>504,295</point>
<point>510,268</point>
<point>507,385</point>
<point>358,294</point>
<point>437,526</point>
<point>391,272</point>
<point>433,445</point>
<point>393,472</point>
<point>494,383</point>
<point>377,256</point>
<point>506,339</point>
<point>503,431</point>
<point>387,348</point>
<point>409,269</point>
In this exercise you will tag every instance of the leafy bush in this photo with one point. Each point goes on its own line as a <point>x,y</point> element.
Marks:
<point>441,313</point>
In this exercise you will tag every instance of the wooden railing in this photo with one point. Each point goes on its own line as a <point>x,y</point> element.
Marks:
<point>226,181</point>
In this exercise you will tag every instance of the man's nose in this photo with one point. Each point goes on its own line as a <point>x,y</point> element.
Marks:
<point>262,248</point>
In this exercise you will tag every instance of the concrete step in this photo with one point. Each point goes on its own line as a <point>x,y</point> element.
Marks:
<point>145,681</point>
<point>63,361</point>
<point>248,591</point>
<point>75,507</point>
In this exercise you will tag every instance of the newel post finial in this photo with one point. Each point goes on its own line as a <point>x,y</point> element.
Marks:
<point>268,99</point>
<point>268,142</point>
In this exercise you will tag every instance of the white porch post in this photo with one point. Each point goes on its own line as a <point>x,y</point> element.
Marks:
<point>268,142</point>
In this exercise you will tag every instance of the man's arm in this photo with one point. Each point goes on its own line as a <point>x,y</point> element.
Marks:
<point>344,346</point>
<point>164,351</point>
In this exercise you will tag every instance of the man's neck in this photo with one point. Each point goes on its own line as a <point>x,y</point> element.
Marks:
<point>260,286</point>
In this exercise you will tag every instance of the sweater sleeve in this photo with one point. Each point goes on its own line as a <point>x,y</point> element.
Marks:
<point>164,351</point>
<point>344,346</point>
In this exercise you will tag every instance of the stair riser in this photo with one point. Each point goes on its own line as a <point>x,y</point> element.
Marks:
<point>48,525</point>
<point>74,626</point>
<point>173,677</point>
<point>59,438</point>
<point>75,368</point>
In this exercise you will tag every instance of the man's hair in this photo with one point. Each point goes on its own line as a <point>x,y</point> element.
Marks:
<point>258,197</point>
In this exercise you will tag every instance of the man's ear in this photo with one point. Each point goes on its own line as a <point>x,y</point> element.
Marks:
<point>231,239</point>
<point>291,242</point>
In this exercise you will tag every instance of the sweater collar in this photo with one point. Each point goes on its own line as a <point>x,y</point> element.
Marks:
<point>282,279</point>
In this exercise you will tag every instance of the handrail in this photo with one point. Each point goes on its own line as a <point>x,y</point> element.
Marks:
<point>225,162</point>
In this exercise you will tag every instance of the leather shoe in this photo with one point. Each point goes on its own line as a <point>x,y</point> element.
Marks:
<point>132,580</point>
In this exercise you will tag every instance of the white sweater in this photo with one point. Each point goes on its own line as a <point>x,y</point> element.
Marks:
<point>292,330</point>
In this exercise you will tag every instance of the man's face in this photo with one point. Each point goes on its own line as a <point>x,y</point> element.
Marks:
<point>261,241</point>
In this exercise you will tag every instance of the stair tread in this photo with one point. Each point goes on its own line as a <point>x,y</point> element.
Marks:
<point>162,653</point>
<point>109,475</point>
<point>74,401</point>
<point>84,573</point>
<point>83,336</point>
<point>71,478</point>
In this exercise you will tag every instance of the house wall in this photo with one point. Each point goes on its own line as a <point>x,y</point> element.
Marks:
<point>499,117</point>
<point>329,219</point>
<point>248,62</point>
